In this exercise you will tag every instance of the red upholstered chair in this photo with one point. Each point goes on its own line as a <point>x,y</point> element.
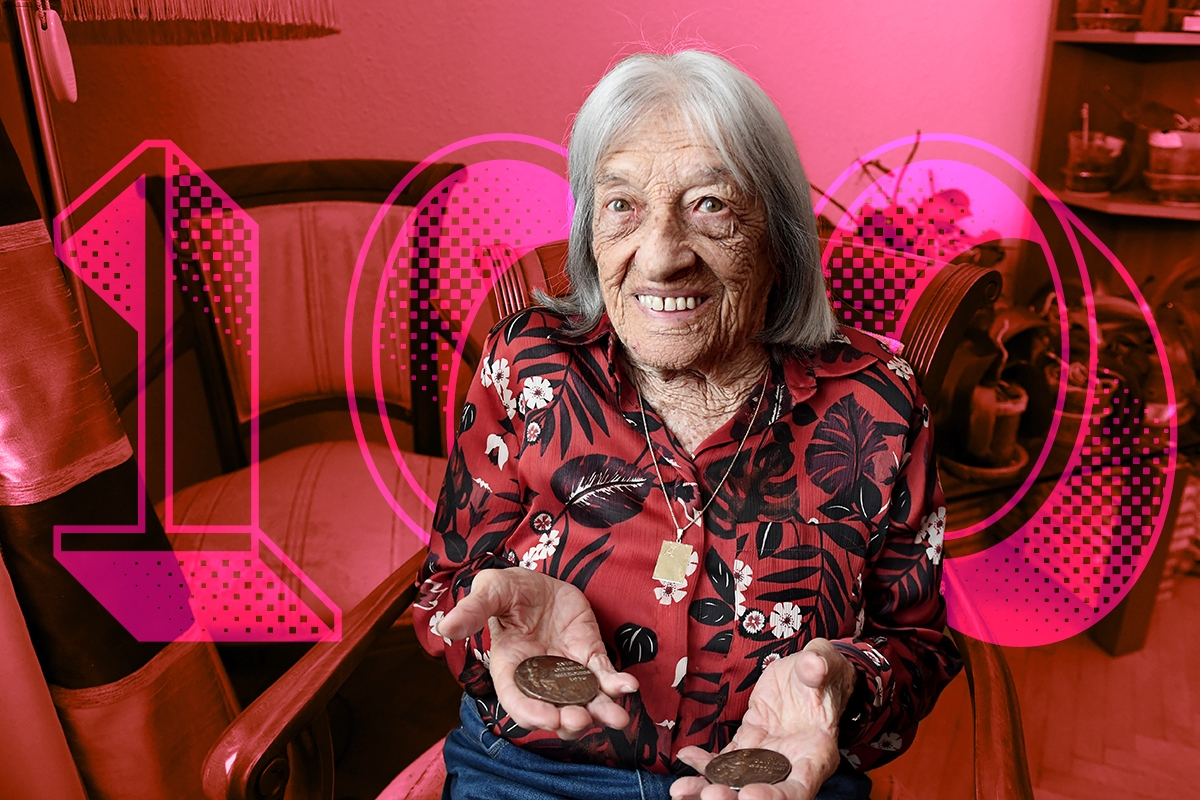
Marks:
<point>250,762</point>
<point>318,501</point>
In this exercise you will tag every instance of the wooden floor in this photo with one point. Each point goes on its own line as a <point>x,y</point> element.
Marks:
<point>1096,727</point>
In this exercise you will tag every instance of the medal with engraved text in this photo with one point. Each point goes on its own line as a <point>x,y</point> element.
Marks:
<point>556,680</point>
<point>739,768</point>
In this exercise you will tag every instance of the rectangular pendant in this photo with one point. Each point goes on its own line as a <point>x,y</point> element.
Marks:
<point>673,562</point>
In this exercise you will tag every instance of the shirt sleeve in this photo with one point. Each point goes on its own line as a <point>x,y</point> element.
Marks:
<point>479,507</point>
<point>903,654</point>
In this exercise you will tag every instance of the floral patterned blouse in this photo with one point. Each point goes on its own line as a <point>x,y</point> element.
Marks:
<point>830,524</point>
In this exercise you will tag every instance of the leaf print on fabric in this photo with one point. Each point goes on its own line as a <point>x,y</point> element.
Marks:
<point>636,644</point>
<point>496,444</point>
<point>599,491</point>
<point>843,446</point>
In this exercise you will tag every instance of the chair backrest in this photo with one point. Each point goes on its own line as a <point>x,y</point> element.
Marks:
<point>313,218</point>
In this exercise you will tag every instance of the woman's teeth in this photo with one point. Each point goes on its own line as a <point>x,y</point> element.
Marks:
<point>668,303</point>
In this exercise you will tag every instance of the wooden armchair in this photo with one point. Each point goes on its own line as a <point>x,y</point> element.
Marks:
<point>252,761</point>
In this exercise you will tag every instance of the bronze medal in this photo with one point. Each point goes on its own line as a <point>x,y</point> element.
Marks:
<point>556,680</point>
<point>739,768</point>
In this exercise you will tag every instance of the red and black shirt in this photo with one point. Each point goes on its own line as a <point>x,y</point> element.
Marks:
<point>829,525</point>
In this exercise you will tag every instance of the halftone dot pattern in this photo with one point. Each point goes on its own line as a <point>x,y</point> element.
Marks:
<point>109,254</point>
<point>237,598</point>
<point>1079,554</point>
<point>470,227</point>
<point>873,264</point>
<point>1074,557</point>
<point>213,260</point>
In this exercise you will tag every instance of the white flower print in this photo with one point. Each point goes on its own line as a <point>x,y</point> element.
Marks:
<point>878,691</point>
<point>888,741</point>
<point>500,373</point>
<point>534,556</point>
<point>485,373</point>
<point>841,337</point>
<point>483,484</point>
<point>852,759</point>
<point>549,542</point>
<point>669,724</point>
<point>542,522</point>
<point>754,621</point>
<point>521,409</point>
<point>742,574</point>
<point>901,367</point>
<point>537,392</point>
<point>786,619</point>
<point>770,658</point>
<point>496,443</point>
<point>670,592</point>
<point>485,657</point>
<point>858,624</point>
<point>933,528</point>
<point>876,657</point>
<point>431,590</point>
<point>739,602</point>
<point>433,624</point>
<point>924,416</point>
<point>532,432</point>
<point>510,403</point>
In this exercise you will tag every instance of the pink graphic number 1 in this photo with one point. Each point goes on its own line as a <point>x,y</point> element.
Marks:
<point>241,586</point>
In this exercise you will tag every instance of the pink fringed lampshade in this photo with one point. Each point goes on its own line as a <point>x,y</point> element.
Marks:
<point>196,21</point>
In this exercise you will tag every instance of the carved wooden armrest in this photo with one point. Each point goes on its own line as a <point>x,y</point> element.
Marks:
<point>250,760</point>
<point>1001,768</point>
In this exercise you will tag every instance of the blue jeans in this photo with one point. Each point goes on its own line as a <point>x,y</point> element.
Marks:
<point>483,766</point>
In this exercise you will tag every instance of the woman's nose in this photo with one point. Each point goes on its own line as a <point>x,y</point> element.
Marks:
<point>664,249</point>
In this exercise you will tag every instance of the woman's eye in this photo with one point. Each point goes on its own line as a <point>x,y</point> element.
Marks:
<point>711,205</point>
<point>620,206</point>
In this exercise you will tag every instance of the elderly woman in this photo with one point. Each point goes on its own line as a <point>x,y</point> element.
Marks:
<point>686,472</point>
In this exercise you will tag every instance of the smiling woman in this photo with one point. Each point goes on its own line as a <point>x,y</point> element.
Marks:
<point>686,472</point>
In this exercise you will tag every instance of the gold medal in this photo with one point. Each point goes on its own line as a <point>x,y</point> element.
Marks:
<point>672,562</point>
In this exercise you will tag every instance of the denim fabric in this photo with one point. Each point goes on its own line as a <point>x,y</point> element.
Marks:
<point>482,766</point>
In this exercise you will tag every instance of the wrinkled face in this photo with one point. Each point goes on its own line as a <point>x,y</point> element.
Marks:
<point>682,253</point>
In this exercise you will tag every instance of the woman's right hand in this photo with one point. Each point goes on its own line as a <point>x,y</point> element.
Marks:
<point>531,614</point>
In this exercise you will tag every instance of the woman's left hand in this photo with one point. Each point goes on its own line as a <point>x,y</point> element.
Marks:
<point>794,710</point>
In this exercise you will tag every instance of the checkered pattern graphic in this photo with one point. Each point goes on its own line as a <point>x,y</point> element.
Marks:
<point>214,252</point>
<point>469,228</point>
<point>236,597</point>
<point>873,267</point>
<point>107,255</point>
<point>1077,556</point>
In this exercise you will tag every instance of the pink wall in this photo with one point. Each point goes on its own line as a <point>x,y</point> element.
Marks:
<point>404,78</point>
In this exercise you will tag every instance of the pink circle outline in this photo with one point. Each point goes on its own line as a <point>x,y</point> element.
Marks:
<point>348,332</point>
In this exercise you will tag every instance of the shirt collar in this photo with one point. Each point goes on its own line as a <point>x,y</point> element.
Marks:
<point>851,351</point>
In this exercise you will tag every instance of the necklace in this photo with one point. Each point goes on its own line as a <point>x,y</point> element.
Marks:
<point>674,556</point>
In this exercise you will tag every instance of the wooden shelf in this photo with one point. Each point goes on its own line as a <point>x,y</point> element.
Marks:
<point>1132,37</point>
<point>1128,204</point>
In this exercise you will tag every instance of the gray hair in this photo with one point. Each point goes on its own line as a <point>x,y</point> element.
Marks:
<point>727,108</point>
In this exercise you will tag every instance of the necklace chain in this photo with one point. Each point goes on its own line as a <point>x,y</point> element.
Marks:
<point>679,531</point>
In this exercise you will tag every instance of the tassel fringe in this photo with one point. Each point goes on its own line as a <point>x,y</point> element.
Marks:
<point>197,21</point>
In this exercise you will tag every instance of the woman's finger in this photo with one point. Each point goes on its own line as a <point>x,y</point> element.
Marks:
<point>695,758</point>
<point>608,713</point>
<point>688,788</point>
<point>612,683</point>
